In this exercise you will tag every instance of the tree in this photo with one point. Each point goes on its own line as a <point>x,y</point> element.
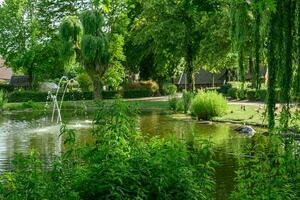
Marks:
<point>27,31</point>
<point>86,39</point>
<point>174,28</point>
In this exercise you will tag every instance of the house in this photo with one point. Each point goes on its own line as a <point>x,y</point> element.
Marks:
<point>20,81</point>
<point>204,79</point>
<point>5,73</point>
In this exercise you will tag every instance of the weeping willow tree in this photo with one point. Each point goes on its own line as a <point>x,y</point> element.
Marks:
<point>288,8</point>
<point>240,35</point>
<point>257,46</point>
<point>85,39</point>
<point>297,79</point>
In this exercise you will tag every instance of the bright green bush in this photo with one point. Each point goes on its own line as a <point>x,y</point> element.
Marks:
<point>173,101</point>
<point>169,89</point>
<point>187,98</point>
<point>85,82</point>
<point>3,100</point>
<point>207,105</point>
<point>120,164</point>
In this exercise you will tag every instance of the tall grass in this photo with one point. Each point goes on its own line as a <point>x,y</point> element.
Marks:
<point>207,105</point>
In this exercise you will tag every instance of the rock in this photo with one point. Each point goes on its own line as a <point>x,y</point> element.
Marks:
<point>246,130</point>
<point>46,87</point>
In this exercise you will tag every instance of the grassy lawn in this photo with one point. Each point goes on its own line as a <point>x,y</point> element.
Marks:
<point>250,114</point>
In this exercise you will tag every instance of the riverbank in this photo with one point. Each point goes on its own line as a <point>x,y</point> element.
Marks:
<point>239,113</point>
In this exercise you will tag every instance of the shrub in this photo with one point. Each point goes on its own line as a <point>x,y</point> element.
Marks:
<point>151,86</point>
<point>173,101</point>
<point>169,89</point>
<point>224,88</point>
<point>207,105</point>
<point>272,172</point>
<point>85,82</point>
<point>3,100</point>
<point>25,96</point>
<point>233,93</point>
<point>251,95</point>
<point>137,93</point>
<point>187,98</point>
<point>6,88</point>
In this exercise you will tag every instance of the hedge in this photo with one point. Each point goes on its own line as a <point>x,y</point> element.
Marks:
<point>138,93</point>
<point>6,88</point>
<point>25,96</point>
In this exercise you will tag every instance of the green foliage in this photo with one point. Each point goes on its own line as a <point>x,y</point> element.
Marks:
<point>233,93</point>
<point>3,100</point>
<point>120,164</point>
<point>151,86</point>
<point>207,105</point>
<point>137,93</point>
<point>187,98</point>
<point>85,82</point>
<point>170,89</point>
<point>173,102</point>
<point>272,172</point>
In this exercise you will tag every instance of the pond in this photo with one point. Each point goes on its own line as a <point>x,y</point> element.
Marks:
<point>21,132</point>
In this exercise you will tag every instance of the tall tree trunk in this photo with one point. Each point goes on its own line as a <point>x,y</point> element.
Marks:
<point>30,77</point>
<point>97,86</point>
<point>257,50</point>
<point>272,69</point>
<point>190,70</point>
<point>241,69</point>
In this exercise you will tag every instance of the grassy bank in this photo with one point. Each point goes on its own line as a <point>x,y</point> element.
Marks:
<point>237,114</point>
<point>89,105</point>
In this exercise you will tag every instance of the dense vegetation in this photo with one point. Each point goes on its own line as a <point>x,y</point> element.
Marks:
<point>120,164</point>
<point>107,43</point>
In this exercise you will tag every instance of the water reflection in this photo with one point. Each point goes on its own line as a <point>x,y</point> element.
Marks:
<point>21,132</point>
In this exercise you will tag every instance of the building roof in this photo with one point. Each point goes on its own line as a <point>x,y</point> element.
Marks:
<point>5,73</point>
<point>20,81</point>
<point>204,77</point>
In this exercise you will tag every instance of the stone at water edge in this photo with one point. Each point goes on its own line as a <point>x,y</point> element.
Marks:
<point>247,130</point>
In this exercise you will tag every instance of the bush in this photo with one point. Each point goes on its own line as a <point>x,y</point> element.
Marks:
<point>151,86</point>
<point>137,93</point>
<point>251,95</point>
<point>187,98</point>
<point>169,89</point>
<point>173,101</point>
<point>233,93</point>
<point>224,88</point>
<point>26,96</point>
<point>120,164</point>
<point>85,82</point>
<point>207,105</point>
<point>6,88</point>
<point>3,100</point>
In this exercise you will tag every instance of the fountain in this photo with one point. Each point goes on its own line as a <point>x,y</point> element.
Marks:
<point>54,97</point>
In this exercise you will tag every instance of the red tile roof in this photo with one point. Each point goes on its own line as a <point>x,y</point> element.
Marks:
<point>5,73</point>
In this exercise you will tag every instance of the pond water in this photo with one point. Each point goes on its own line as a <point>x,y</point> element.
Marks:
<point>21,132</point>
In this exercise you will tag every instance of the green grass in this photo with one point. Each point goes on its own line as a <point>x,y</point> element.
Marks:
<point>250,114</point>
<point>69,105</point>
